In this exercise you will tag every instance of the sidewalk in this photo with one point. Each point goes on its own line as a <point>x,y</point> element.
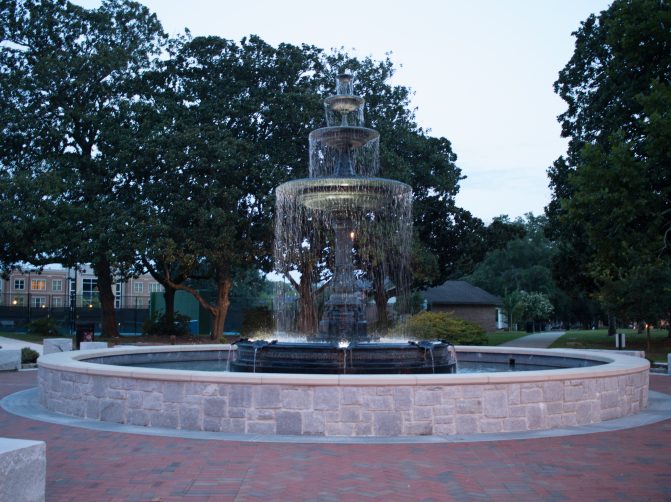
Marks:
<point>535,341</point>
<point>102,466</point>
<point>10,343</point>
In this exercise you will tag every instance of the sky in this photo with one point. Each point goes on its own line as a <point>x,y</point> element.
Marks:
<point>482,72</point>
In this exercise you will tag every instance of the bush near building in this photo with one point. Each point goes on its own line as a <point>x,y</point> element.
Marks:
<point>444,326</point>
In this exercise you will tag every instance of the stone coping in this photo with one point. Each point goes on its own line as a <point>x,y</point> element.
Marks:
<point>615,365</point>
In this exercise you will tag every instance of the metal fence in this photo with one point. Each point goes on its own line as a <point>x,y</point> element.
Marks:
<point>18,310</point>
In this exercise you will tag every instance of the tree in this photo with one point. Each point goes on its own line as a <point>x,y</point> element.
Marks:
<point>231,118</point>
<point>535,307</point>
<point>611,193</point>
<point>71,98</point>
<point>522,264</point>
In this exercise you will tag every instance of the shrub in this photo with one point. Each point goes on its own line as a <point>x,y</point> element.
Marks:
<point>444,326</point>
<point>158,325</point>
<point>257,323</point>
<point>45,326</point>
<point>28,355</point>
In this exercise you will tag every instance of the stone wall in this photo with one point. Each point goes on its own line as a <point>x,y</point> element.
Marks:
<point>345,410</point>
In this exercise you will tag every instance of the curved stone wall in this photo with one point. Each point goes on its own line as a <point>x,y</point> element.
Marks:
<point>344,405</point>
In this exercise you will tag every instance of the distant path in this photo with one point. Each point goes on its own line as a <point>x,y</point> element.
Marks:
<point>10,343</point>
<point>540,340</point>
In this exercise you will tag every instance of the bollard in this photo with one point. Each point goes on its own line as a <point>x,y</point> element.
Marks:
<point>620,341</point>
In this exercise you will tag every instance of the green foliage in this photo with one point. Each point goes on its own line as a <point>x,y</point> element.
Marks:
<point>28,355</point>
<point>72,103</point>
<point>257,323</point>
<point>444,326</point>
<point>611,193</point>
<point>45,326</point>
<point>161,325</point>
<point>534,306</point>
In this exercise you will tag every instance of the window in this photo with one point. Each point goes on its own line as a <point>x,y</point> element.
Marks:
<point>19,284</point>
<point>155,287</point>
<point>57,301</point>
<point>139,302</point>
<point>38,302</point>
<point>57,285</point>
<point>89,286</point>
<point>118,289</point>
<point>18,301</point>
<point>38,284</point>
<point>138,287</point>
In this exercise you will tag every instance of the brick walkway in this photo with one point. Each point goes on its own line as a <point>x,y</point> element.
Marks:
<point>86,465</point>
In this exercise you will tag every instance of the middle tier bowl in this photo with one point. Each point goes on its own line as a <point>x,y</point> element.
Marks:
<point>349,193</point>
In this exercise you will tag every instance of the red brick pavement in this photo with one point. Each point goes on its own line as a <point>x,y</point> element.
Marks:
<point>85,465</point>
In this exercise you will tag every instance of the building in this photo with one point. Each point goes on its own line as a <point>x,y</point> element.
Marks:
<point>57,287</point>
<point>466,302</point>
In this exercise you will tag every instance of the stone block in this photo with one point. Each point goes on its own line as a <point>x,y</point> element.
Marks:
<point>10,360</point>
<point>289,422</point>
<point>23,470</point>
<point>495,404</point>
<point>313,424</point>
<point>326,398</point>
<point>387,423</point>
<point>469,406</point>
<point>51,345</point>
<point>92,345</point>
<point>296,399</point>
<point>215,407</point>
<point>265,428</point>
<point>267,396</point>
<point>531,395</point>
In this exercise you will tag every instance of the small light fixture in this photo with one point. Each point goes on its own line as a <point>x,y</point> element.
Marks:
<point>351,235</point>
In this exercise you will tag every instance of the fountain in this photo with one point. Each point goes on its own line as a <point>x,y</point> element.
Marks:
<point>363,224</point>
<point>360,226</point>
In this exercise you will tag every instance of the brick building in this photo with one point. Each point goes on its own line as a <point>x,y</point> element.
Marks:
<point>466,302</point>
<point>56,287</point>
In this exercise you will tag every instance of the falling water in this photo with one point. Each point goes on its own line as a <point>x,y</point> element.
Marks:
<point>342,234</point>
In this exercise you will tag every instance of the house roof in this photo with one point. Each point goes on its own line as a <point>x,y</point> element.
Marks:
<point>459,293</point>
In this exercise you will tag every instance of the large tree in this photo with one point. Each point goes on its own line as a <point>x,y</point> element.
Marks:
<point>611,203</point>
<point>70,96</point>
<point>232,124</point>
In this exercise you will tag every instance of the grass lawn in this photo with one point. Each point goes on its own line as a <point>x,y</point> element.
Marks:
<point>499,337</point>
<point>660,344</point>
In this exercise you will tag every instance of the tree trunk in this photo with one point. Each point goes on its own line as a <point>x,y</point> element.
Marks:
<point>105,283</point>
<point>307,310</point>
<point>220,311</point>
<point>169,297</point>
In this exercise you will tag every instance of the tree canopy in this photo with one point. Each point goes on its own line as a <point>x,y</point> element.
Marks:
<point>71,93</point>
<point>124,149</point>
<point>611,206</point>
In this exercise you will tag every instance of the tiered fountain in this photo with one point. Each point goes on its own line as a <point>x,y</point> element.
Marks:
<point>356,226</point>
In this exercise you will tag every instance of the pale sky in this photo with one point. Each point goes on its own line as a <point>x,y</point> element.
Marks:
<point>482,72</point>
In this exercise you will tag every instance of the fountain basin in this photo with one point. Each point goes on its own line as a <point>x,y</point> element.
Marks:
<point>343,194</point>
<point>353,359</point>
<point>343,405</point>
